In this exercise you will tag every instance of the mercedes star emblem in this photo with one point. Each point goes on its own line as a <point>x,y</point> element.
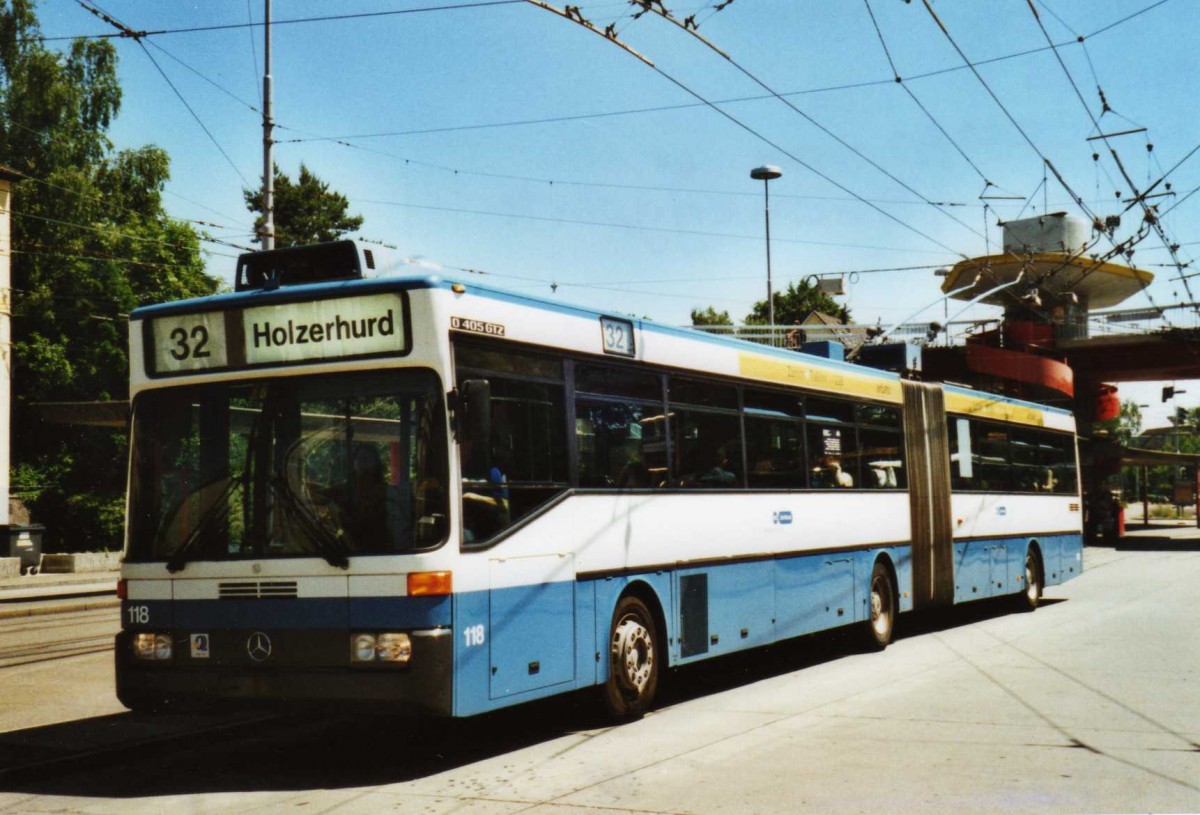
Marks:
<point>258,646</point>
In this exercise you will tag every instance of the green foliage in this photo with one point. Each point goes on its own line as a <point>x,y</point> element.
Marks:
<point>305,211</point>
<point>91,242</point>
<point>794,304</point>
<point>710,316</point>
<point>1128,424</point>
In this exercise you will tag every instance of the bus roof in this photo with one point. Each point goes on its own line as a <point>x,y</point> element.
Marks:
<point>344,288</point>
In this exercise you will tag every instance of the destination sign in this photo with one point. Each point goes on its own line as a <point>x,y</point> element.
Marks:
<point>324,329</point>
<point>290,332</point>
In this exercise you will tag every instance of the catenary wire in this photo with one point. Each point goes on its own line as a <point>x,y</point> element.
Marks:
<point>640,227</point>
<point>1151,217</point>
<point>727,101</point>
<point>137,35</point>
<point>661,11</point>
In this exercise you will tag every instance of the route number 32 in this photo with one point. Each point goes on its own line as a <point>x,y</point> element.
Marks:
<point>191,345</point>
<point>617,336</point>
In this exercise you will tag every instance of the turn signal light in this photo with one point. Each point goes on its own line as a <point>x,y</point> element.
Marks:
<point>427,584</point>
<point>122,589</point>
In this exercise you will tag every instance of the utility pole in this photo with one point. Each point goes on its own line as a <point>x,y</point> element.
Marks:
<point>268,227</point>
<point>766,174</point>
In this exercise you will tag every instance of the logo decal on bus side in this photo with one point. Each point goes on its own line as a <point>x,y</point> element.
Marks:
<point>782,518</point>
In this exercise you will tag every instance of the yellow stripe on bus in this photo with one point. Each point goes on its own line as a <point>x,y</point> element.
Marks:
<point>806,375</point>
<point>986,408</point>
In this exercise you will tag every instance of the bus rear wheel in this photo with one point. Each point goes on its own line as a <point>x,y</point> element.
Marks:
<point>633,660</point>
<point>1028,599</point>
<point>882,621</point>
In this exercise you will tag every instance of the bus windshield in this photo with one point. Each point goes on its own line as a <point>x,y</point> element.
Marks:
<point>325,466</point>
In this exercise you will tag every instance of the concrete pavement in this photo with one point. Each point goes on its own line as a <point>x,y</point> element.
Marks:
<point>39,594</point>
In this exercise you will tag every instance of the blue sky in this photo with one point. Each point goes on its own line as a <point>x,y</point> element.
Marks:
<point>653,212</point>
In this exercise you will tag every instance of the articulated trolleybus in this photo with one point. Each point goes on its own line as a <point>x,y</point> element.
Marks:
<point>433,496</point>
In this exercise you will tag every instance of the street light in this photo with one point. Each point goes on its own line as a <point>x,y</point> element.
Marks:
<point>765,173</point>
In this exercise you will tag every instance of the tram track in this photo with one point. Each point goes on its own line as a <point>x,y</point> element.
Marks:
<point>26,654</point>
<point>32,640</point>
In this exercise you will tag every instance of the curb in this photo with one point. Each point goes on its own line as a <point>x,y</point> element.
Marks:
<point>59,608</point>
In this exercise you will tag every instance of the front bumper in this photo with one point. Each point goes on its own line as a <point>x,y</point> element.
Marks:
<point>301,674</point>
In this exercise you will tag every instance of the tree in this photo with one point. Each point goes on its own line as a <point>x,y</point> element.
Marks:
<point>1129,422</point>
<point>91,242</point>
<point>794,304</point>
<point>305,212</point>
<point>710,316</point>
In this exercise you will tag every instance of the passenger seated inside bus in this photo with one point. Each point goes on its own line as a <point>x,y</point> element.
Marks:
<point>717,473</point>
<point>486,508</point>
<point>884,474</point>
<point>372,506</point>
<point>828,474</point>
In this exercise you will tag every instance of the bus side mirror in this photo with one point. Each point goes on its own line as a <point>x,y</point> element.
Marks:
<point>475,412</point>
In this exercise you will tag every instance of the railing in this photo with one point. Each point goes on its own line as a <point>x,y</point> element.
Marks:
<point>1101,323</point>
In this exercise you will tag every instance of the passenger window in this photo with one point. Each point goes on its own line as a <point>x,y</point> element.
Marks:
<point>702,394</point>
<point>774,453</point>
<point>525,462</point>
<point>882,456</point>
<point>620,444</point>
<point>620,382</point>
<point>1029,474</point>
<point>830,410</point>
<point>707,449</point>
<point>990,459</point>
<point>832,451</point>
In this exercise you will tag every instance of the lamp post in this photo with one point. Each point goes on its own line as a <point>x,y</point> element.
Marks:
<point>765,173</point>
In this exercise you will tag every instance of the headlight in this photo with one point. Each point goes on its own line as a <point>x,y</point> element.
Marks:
<point>392,647</point>
<point>362,648</point>
<point>153,647</point>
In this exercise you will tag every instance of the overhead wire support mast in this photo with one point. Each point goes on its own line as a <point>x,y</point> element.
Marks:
<point>268,123</point>
<point>576,18</point>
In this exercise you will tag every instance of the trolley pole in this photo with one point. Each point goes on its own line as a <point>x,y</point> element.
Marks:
<point>268,227</point>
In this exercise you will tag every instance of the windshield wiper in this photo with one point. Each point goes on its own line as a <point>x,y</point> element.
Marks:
<point>199,532</point>
<point>329,545</point>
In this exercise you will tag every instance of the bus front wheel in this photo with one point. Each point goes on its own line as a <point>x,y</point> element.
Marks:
<point>633,663</point>
<point>882,622</point>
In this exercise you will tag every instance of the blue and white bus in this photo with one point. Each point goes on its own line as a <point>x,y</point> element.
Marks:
<point>435,496</point>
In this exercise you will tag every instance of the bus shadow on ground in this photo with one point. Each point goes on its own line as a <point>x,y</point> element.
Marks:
<point>297,752</point>
<point>1158,543</point>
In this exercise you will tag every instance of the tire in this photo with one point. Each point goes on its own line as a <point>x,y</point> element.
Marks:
<point>881,622</point>
<point>634,663</point>
<point>1029,598</point>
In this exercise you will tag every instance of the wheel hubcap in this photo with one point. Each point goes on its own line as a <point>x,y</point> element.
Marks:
<point>880,609</point>
<point>1031,585</point>
<point>632,654</point>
